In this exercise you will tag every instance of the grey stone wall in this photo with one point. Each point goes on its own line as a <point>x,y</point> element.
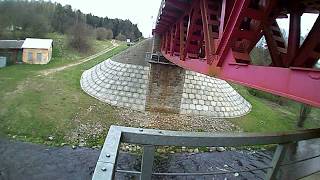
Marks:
<point>118,84</point>
<point>165,88</point>
<point>204,95</point>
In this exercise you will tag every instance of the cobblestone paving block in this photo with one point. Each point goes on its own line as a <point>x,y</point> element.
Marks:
<point>118,84</point>
<point>210,96</point>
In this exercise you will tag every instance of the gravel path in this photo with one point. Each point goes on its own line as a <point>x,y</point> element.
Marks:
<point>152,120</point>
<point>137,56</point>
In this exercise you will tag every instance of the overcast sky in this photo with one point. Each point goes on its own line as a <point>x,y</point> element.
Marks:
<point>144,12</point>
<point>307,21</point>
<point>141,12</point>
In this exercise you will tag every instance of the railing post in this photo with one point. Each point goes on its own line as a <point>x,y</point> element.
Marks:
<point>276,161</point>
<point>147,162</point>
<point>106,165</point>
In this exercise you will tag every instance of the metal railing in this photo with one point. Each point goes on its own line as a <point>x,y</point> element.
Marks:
<point>283,159</point>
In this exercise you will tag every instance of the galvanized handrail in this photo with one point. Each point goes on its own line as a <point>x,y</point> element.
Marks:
<point>149,138</point>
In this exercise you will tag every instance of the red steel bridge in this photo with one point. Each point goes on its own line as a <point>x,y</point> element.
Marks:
<point>215,37</point>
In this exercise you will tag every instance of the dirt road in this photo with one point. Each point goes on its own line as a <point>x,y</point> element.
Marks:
<point>54,70</point>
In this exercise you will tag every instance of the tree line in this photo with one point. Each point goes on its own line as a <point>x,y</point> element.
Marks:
<point>22,18</point>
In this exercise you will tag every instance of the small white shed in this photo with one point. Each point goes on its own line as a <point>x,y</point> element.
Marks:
<point>37,51</point>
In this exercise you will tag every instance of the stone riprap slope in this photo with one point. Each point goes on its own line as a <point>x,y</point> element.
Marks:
<point>124,81</point>
<point>204,95</point>
<point>118,84</point>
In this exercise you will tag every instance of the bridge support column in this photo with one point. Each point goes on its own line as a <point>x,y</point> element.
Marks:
<point>165,88</point>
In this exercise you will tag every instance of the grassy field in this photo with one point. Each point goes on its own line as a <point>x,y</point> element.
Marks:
<point>34,107</point>
<point>268,116</point>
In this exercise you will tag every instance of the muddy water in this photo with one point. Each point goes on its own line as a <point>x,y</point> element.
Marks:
<point>206,162</point>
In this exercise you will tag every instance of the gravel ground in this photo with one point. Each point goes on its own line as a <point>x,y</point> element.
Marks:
<point>153,120</point>
<point>170,121</point>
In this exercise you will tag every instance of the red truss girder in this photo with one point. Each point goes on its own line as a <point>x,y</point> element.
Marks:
<point>216,37</point>
<point>193,41</point>
<point>177,4</point>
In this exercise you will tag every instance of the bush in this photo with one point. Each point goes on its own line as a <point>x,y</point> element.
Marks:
<point>104,34</point>
<point>79,37</point>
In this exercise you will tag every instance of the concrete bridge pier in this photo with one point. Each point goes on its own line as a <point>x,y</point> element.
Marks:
<point>131,80</point>
<point>165,84</point>
<point>165,88</point>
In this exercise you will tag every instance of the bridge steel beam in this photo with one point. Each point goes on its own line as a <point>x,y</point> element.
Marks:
<point>217,39</point>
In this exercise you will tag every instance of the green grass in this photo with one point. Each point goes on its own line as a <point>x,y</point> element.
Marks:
<point>11,76</point>
<point>35,107</point>
<point>268,116</point>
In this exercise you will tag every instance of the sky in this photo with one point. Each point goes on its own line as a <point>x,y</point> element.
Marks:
<point>141,12</point>
<point>307,20</point>
<point>144,12</point>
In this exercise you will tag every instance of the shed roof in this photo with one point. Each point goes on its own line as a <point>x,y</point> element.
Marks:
<point>37,43</point>
<point>11,44</point>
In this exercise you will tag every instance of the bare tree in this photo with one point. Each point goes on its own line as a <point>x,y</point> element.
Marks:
<point>109,34</point>
<point>121,37</point>
<point>104,34</point>
<point>80,36</point>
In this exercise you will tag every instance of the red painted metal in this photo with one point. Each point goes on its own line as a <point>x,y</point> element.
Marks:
<point>206,28</point>
<point>173,38</point>
<point>171,14</point>
<point>232,26</point>
<point>294,34</point>
<point>182,38</point>
<point>168,41</point>
<point>177,4</point>
<point>288,82</point>
<point>276,43</point>
<point>216,38</point>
